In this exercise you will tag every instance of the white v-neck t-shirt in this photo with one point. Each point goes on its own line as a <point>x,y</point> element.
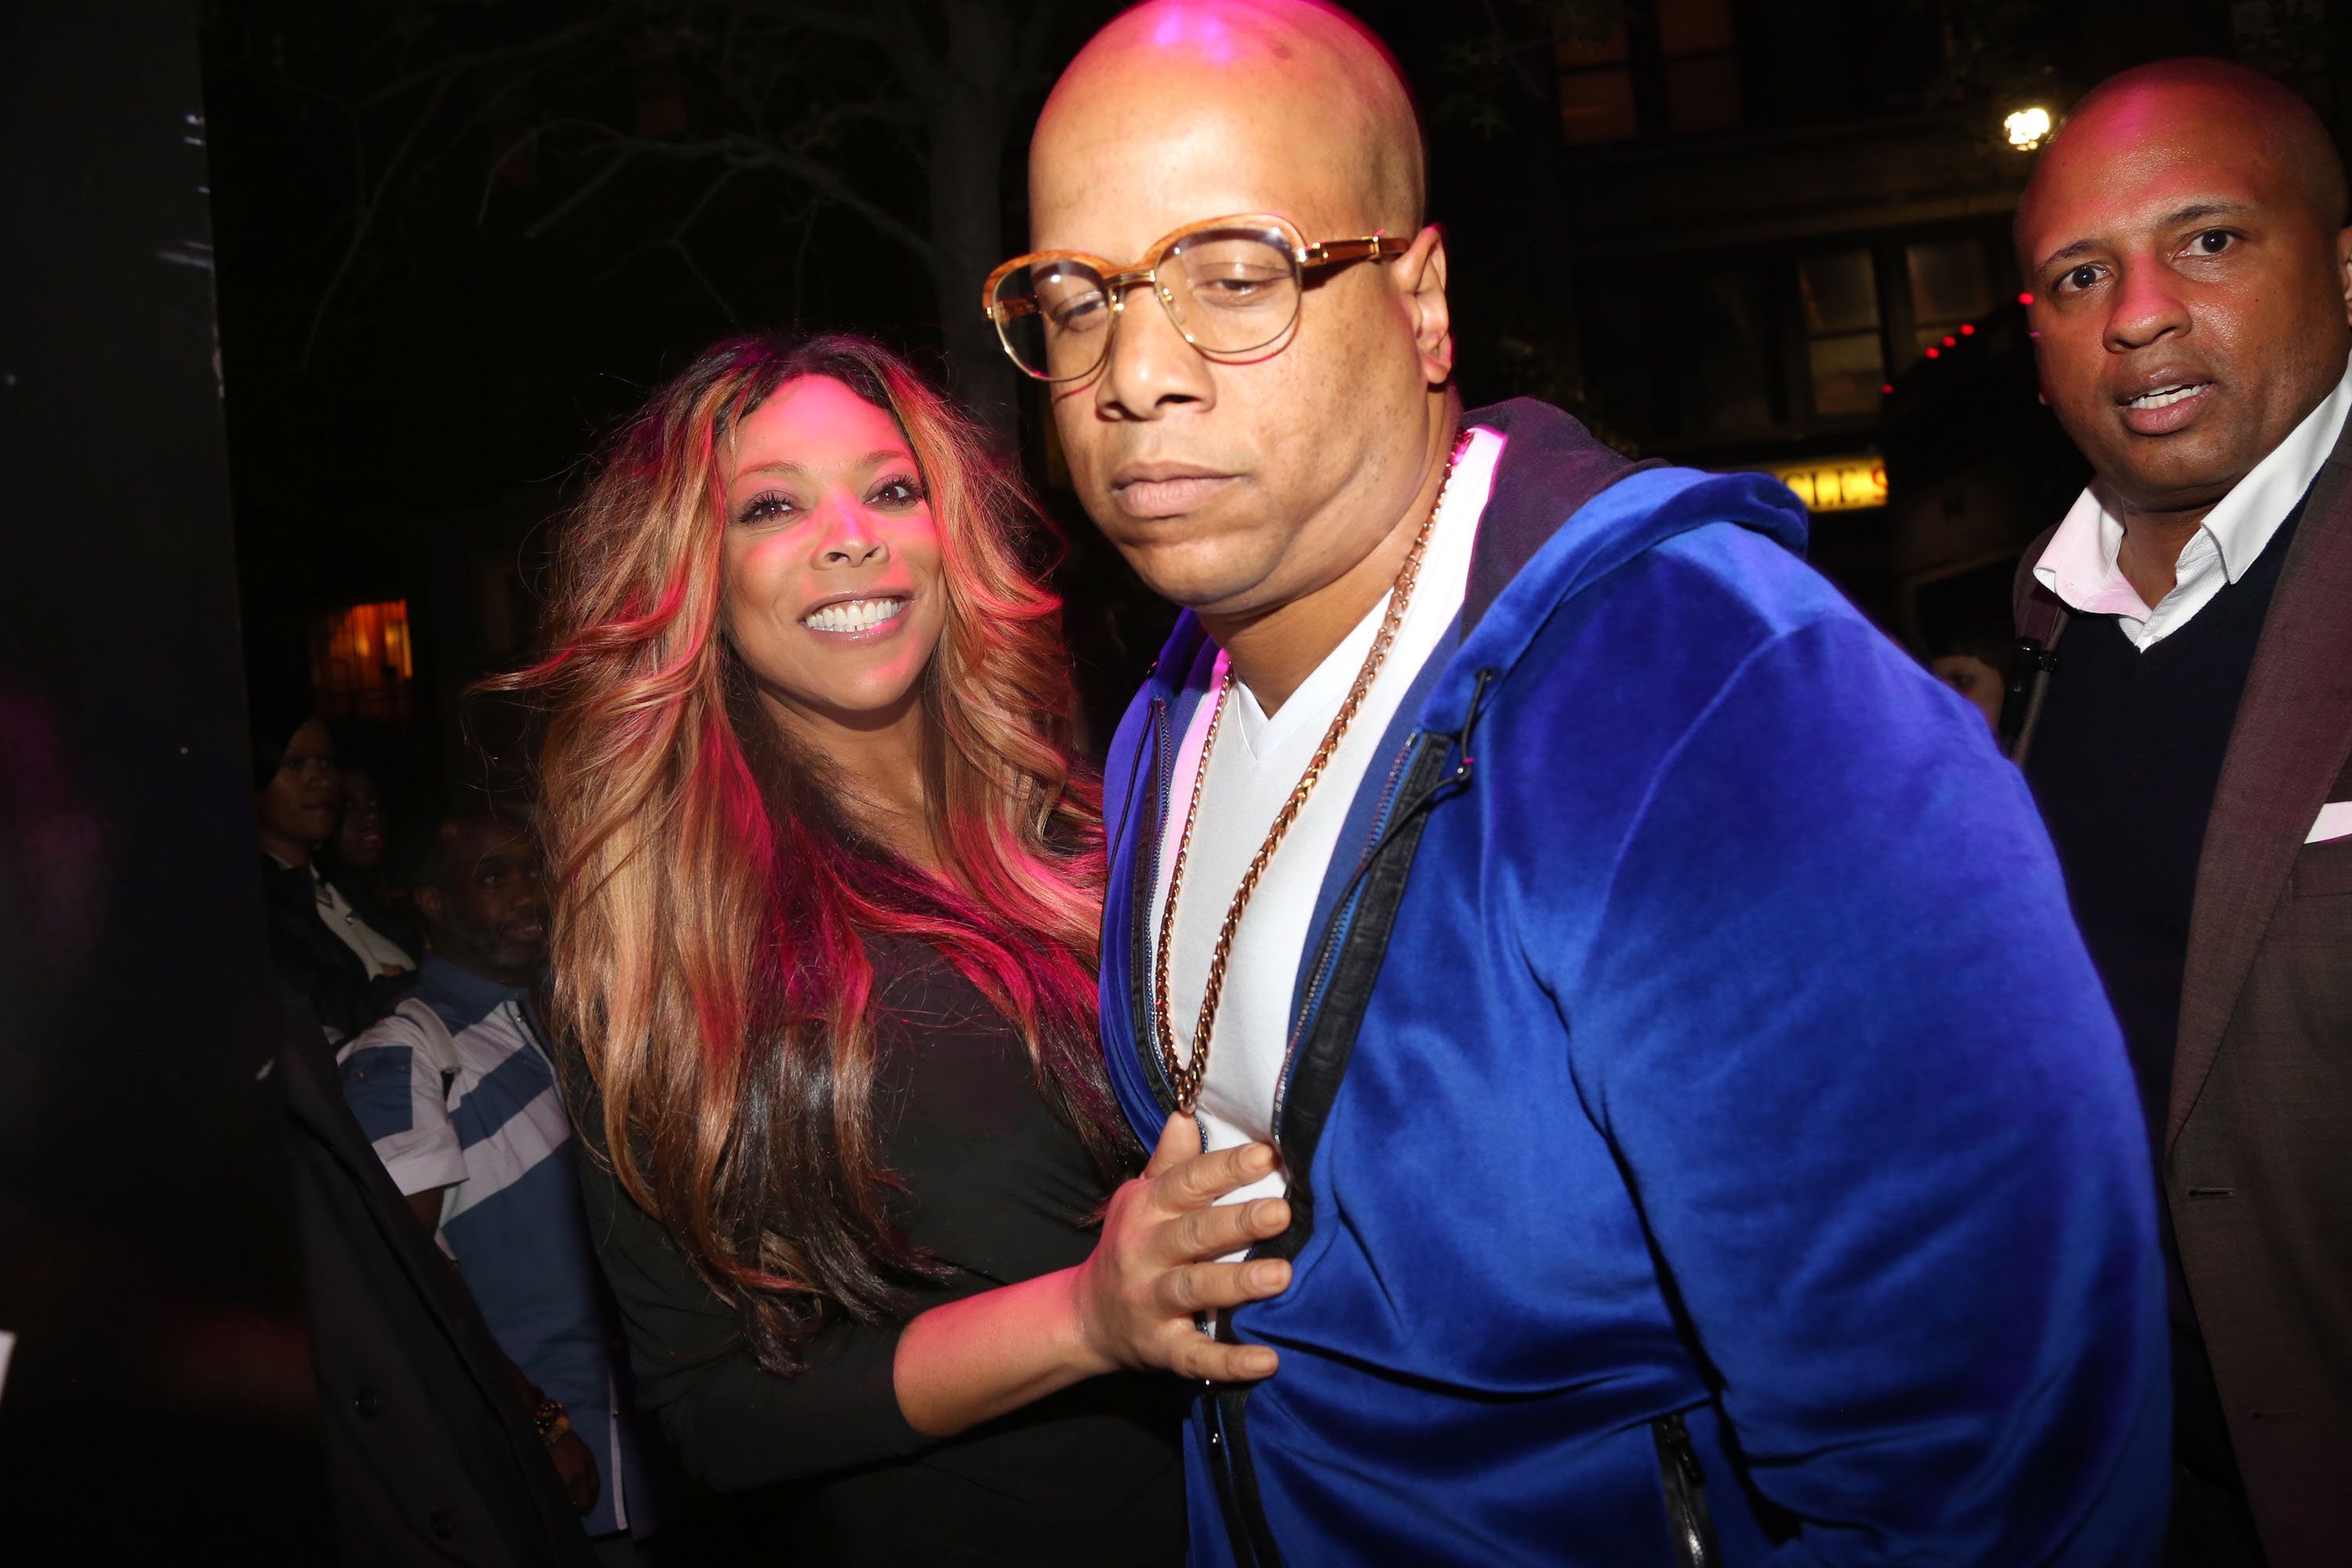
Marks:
<point>1258,763</point>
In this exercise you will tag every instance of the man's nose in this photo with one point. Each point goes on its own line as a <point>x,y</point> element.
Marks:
<point>1148,365</point>
<point>2147,307</point>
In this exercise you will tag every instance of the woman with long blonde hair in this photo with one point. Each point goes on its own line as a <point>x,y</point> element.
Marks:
<point>828,880</point>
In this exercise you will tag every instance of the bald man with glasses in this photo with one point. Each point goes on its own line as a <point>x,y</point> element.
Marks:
<point>1561,878</point>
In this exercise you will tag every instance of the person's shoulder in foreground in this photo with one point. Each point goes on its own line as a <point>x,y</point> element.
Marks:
<point>1702,1130</point>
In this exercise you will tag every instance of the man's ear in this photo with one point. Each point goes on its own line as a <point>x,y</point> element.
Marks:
<point>1419,275</point>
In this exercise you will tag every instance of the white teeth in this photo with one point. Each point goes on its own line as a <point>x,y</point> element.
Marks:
<point>2170,395</point>
<point>853,614</point>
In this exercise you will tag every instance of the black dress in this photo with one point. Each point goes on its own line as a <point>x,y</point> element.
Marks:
<point>996,1188</point>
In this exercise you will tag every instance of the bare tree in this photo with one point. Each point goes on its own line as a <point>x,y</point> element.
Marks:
<point>900,113</point>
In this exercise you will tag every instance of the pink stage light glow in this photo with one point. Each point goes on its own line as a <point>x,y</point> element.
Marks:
<point>1200,31</point>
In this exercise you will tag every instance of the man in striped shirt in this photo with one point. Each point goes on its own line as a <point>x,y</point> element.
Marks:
<point>457,1092</point>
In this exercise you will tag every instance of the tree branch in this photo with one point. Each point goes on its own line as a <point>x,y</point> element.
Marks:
<point>365,218</point>
<point>750,153</point>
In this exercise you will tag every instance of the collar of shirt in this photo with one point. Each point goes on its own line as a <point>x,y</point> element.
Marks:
<point>471,996</point>
<point>2079,565</point>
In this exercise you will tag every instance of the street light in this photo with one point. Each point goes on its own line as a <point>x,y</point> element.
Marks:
<point>2027,128</point>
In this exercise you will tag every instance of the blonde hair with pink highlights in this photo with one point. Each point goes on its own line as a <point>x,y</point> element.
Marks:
<point>714,906</point>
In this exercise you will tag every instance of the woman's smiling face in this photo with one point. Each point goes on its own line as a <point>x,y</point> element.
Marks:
<point>832,592</point>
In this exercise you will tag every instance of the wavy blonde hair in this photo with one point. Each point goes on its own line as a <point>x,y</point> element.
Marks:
<point>714,906</point>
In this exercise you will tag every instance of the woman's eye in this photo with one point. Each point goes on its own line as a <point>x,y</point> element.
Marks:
<point>768,507</point>
<point>898,493</point>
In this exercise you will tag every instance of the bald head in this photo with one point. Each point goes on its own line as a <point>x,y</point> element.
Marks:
<point>1306,81</point>
<point>1273,490</point>
<point>2222,108</point>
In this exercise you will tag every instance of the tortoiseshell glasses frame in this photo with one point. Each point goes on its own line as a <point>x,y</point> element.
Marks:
<point>1231,286</point>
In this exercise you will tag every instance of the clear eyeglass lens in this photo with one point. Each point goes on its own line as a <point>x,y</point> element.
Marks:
<point>1232,290</point>
<point>1054,318</point>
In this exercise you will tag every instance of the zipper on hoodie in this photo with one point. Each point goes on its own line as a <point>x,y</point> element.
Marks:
<point>1327,950</point>
<point>1376,838</point>
<point>1683,1481</point>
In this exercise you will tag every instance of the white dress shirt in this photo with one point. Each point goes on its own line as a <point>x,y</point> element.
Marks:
<point>2079,566</point>
<point>1258,760</point>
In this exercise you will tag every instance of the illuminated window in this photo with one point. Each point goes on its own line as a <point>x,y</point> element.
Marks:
<point>1596,87</point>
<point>1696,45</point>
<point>1950,286</point>
<point>362,666</point>
<point>1841,341</point>
<point>1675,71</point>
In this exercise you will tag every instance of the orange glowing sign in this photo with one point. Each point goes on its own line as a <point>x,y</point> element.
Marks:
<point>1834,484</point>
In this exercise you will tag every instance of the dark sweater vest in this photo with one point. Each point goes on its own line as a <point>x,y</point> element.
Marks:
<point>2124,764</point>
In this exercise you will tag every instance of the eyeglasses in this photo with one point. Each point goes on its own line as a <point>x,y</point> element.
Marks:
<point>1231,285</point>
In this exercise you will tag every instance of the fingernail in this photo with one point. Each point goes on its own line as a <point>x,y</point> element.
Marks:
<point>1270,1274</point>
<point>1259,1361</point>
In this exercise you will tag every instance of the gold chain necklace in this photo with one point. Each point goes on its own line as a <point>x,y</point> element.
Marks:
<point>1185,1075</point>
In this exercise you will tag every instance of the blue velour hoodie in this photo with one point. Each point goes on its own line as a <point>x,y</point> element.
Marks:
<point>1708,1141</point>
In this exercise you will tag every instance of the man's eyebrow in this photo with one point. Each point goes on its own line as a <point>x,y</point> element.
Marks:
<point>2194,212</point>
<point>2068,253</point>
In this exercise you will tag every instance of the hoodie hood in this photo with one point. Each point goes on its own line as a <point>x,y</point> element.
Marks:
<point>1564,512</point>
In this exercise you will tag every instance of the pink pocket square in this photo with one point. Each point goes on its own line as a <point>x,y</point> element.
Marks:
<point>2335,821</point>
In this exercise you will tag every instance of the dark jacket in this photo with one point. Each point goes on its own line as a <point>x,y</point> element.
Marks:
<point>2257,1162</point>
<point>431,1455</point>
<point>314,962</point>
<point>1668,1184</point>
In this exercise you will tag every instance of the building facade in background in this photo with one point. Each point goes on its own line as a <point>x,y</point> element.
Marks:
<point>1789,238</point>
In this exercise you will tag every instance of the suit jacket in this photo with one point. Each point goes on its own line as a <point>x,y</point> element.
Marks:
<point>2257,1163</point>
<point>431,1456</point>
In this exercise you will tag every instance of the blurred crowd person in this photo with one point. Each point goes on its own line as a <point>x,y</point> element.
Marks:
<point>348,971</point>
<point>363,861</point>
<point>2188,733</point>
<point>1974,662</point>
<point>457,1092</point>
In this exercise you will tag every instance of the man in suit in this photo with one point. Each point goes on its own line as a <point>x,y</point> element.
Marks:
<point>2184,240</point>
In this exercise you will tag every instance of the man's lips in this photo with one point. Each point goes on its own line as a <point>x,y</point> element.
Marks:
<point>1150,492</point>
<point>527,931</point>
<point>2158,406</point>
